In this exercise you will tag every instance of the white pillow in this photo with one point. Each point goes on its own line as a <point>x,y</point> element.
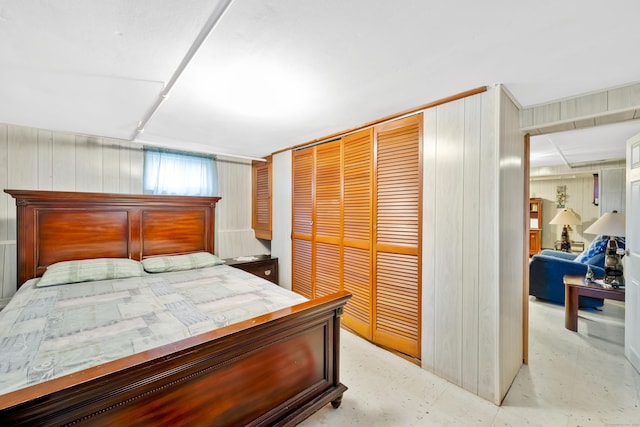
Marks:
<point>86,270</point>
<point>192,261</point>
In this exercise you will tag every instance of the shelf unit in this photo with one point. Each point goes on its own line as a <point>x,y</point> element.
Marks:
<point>535,226</point>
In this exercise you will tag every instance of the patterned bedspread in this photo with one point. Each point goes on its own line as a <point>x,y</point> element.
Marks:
<point>53,331</point>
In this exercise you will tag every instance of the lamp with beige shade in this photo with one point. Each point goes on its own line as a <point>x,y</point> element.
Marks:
<point>566,218</point>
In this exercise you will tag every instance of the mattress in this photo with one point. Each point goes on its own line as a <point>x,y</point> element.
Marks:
<point>52,331</point>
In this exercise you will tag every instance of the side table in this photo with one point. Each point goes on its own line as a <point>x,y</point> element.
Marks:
<point>264,266</point>
<point>574,286</point>
<point>576,247</point>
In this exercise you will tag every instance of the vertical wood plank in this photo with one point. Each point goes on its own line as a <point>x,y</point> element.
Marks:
<point>471,245</point>
<point>136,162</point>
<point>430,203</point>
<point>125,169</point>
<point>6,202</point>
<point>281,213</point>
<point>449,214</point>
<point>511,246</point>
<point>23,158</point>
<point>234,184</point>
<point>5,290</point>
<point>64,162</point>
<point>233,212</point>
<point>547,113</point>
<point>583,106</point>
<point>89,156</point>
<point>612,190</point>
<point>526,118</point>
<point>110,166</point>
<point>227,205</point>
<point>487,260</point>
<point>45,167</point>
<point>39,159</point>
<point>9,267</point>
<point>624,97</point>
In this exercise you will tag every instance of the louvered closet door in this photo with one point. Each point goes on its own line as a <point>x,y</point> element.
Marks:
<point>398,185</point>
<point>358,158</point>
<point>302,268</point>
<point>261,209</point>
<point>328,218</point>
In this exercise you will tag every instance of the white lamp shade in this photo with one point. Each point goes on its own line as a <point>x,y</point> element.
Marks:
<point>609,224</point>
<point>565,217</point>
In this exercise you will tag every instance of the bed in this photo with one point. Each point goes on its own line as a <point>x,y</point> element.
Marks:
<point>273,369</point>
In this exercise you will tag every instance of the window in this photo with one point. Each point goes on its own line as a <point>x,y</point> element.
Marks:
<point>176,173</point>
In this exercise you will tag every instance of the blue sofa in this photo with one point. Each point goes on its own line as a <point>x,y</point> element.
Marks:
<point>547,269</point>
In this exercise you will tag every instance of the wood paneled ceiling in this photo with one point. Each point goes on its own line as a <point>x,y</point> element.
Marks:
<point>272,74</point>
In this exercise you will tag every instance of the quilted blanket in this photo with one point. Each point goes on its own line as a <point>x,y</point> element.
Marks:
<point>53,331</point>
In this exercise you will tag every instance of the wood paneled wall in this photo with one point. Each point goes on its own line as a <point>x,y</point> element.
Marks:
<point>473,241</point>
<point>473,244</point>
<point>613,184</point>
<point>234,235</point>
<point>512,200</point>
<point>281,215</point>
<point>36,159</point>
<point>600,108</point>
<point>579,199</point>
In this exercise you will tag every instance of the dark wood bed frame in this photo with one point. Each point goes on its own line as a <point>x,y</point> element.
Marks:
<point>275,369</point>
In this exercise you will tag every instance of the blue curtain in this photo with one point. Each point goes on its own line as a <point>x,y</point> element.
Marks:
<point>174,173</point>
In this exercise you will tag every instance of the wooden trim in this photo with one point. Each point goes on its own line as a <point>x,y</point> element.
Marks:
<point>525,255</point>
<point>408,112</point>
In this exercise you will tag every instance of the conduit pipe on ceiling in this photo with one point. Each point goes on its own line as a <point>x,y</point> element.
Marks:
<point>206,31</point>
<point>560,153</point>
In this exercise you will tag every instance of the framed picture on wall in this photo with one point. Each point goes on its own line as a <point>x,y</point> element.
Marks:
<point>561,196</point>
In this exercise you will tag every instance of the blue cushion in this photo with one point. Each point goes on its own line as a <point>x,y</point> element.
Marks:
<point>595,253</point>
<point>598,246</point>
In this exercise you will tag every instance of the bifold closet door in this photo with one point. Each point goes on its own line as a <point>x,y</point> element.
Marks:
<point>317,220</point>
<point>327,236</point>
<point>302,205</point>
<point>358,185</point>
<point>397,212</point>
<point>356,226</point>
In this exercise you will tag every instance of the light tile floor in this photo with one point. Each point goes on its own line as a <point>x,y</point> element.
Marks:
<point>572,379</point>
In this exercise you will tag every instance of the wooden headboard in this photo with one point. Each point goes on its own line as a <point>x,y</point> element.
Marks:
<point>55,226</point>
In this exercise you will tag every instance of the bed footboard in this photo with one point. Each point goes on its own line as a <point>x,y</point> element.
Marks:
<point>275,369</point>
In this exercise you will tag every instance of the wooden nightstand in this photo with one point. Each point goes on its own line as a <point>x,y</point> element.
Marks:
<point>264,266</point>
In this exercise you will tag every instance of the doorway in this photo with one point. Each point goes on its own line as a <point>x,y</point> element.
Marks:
<point>552,162</point>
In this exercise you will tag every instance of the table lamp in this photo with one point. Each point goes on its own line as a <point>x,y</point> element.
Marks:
<point>566,218</point>
<point>611,224</point>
